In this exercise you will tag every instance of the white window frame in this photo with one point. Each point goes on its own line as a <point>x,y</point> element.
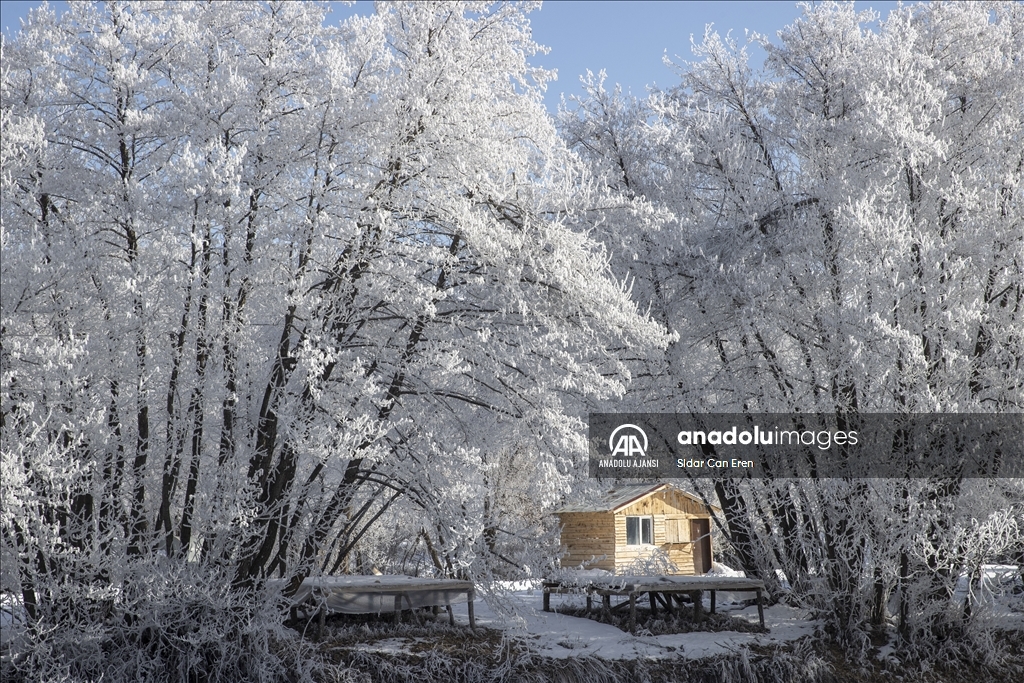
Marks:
<point>641,519</point>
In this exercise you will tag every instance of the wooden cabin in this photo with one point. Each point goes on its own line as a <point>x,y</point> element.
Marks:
<point>633,522</point>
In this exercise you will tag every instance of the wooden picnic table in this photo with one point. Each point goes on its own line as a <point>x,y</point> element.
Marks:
<point>668,587</point>
<point>370,593</point>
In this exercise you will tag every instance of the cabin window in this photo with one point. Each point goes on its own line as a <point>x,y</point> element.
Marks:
<point>639,530</point>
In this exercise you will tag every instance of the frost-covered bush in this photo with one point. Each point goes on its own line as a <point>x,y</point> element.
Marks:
<point>164,622</point>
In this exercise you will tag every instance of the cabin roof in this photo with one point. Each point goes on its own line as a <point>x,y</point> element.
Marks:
<point>622,497</point>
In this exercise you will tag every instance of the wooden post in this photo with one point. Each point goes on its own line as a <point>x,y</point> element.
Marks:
<point>398,608</point>
<point>697,598</point>
<point>760,608</point>
<point>590,603</point>
<point>653,597</point>
<point>322,618</point>
<point>415,615</point>
<point>547,600</point>
<point>712,602</point>
<point>632,613</point>
<point>606,603</point>
<point>451,615</point>
<point>472,618</point>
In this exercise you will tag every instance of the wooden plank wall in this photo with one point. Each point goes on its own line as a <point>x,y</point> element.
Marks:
<point>667,502</point>
<point>587,535</point>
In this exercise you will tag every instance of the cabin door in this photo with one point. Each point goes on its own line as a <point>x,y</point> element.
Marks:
<point>700,534</point>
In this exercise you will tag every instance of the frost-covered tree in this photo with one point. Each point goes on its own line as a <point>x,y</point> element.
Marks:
<point>845,236</point>
<point>266,284</point>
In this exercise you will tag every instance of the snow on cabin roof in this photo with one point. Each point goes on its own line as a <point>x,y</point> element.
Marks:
<point>623,496</point>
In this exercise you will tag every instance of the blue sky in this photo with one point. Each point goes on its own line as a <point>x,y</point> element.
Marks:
<point>627,39</point>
